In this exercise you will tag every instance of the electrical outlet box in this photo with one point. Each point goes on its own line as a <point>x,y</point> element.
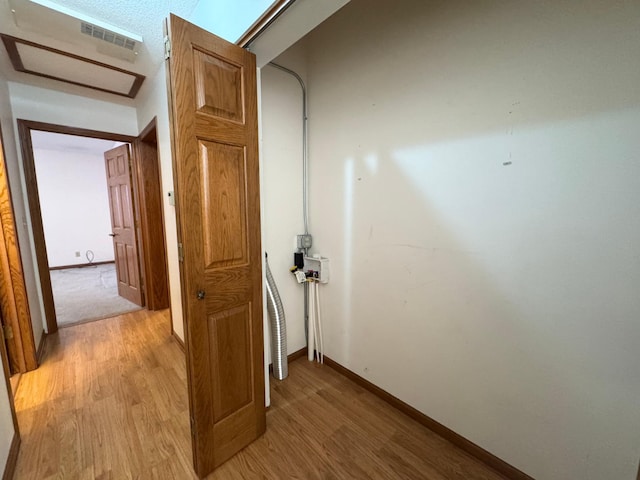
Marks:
<point>319,266</point>
<point>77,254</point>
<point>172,198</point>
<point>305,241</point>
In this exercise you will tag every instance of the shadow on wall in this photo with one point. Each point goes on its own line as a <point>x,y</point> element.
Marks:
<point>483,219</point>
<point>477,274</point>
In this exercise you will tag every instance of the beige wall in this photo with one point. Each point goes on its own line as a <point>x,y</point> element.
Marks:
<point>281,170</point>
<point>152,102</point>
<point>475,181</point>
<point>74,203</point>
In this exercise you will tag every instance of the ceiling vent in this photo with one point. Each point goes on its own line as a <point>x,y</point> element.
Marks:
<point>89,35</point>
<point>107,35</point>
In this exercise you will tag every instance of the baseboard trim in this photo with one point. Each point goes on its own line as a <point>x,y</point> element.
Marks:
<point>12,459</point>
<point>291,357</point>
<point>41,347</point>
<point>81,265</point>
<point>178,341</point>
<point>297,354</point>
<point>471,448</point>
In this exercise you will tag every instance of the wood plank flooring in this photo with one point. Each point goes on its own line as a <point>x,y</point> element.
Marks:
<point>110,402</point>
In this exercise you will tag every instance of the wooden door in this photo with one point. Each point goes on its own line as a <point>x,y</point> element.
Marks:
<point>14,304</point>
<point>123,230</point>
<point>213,103</point>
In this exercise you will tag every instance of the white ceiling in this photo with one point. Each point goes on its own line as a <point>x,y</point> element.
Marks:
<point>142,17</point>
<point>70,143</point>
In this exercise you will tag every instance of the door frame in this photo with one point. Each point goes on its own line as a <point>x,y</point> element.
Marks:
<point>147,191</point>
<point>24,132</point>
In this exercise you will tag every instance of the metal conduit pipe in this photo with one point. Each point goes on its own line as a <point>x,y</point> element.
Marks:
<point>305,173</point>
<point>305,178</point>
<point>278,327</point>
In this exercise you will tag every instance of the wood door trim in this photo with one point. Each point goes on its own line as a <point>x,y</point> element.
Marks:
<point>35,213</point>
<point>148,192</point>
<point>81,132</point>
<point>458,440</point>
<point>146,133</point>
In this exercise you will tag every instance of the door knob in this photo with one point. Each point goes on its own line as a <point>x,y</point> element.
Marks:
<point>200,294</point>
<point>113,234</point>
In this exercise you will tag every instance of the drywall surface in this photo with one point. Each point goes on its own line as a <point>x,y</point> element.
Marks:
<point>42,105</point>
<point>7,429</point>
<point>152,103</point>
<point>475,181</point>
<point>39,104</point>
<point>282,215</point>
<point>74,201</point>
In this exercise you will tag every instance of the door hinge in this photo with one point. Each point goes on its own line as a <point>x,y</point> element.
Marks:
<point>180,253</point>
<point>8,332</point>
<point>167,48</point>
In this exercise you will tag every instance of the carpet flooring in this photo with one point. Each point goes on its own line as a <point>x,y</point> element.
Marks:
<point>87,293</point>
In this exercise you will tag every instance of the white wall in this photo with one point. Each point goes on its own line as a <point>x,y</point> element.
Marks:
<point>282,216</point>
<point>74,201</point>
<point>475,181</point>
<point>152,102</point>
<point>7,429</point>
<point>37,104</point>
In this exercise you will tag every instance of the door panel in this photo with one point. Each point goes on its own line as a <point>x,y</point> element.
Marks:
<point>218,87</point>
<point>224,197</point>
<point>231,342</point>
<point>213,102</point>
<point>122,224</point>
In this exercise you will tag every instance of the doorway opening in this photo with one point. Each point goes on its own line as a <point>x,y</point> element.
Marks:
<point>77,222</point>
<point>140,192</point>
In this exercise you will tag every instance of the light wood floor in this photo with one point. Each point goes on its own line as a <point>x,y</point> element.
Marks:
<point>110,402</point>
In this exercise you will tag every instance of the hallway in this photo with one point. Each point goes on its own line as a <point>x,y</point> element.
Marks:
<point>110,402</point>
